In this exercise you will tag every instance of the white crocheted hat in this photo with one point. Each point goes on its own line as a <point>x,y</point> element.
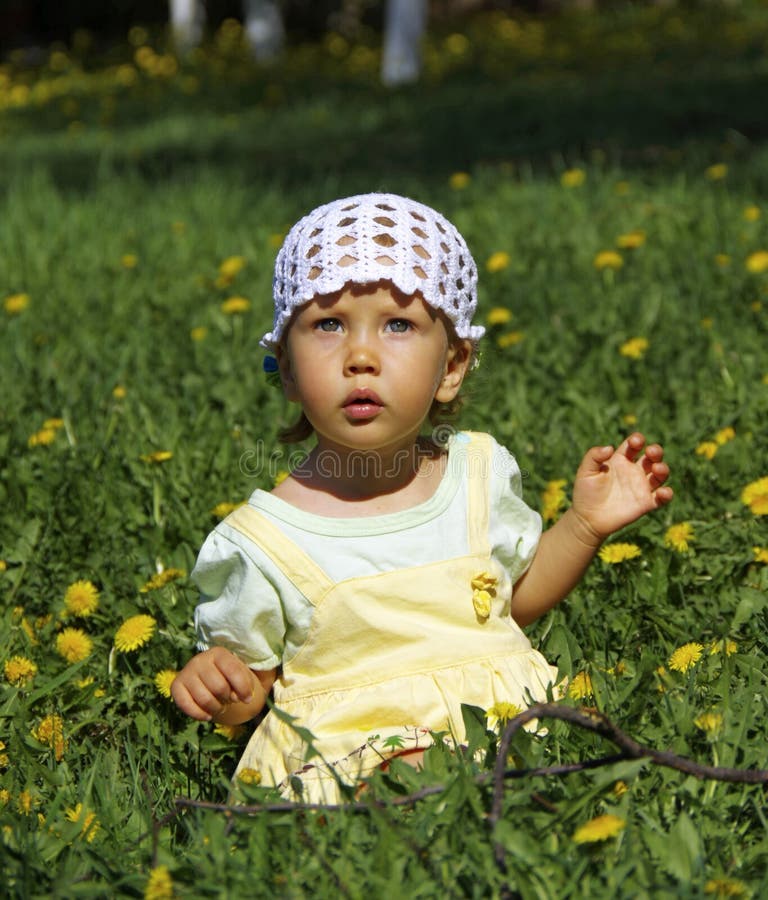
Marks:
<point>370,238</point>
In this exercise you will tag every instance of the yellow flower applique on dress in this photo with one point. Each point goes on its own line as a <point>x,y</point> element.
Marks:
<point>483,592</point>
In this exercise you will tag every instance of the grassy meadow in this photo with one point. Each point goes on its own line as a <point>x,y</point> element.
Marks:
<point>610,174</point>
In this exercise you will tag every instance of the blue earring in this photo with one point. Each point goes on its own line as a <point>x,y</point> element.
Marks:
<point>272,371</point>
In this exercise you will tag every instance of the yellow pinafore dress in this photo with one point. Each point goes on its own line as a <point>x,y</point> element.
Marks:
<point>390,658</point>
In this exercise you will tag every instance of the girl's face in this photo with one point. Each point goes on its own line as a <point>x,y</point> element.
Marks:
<point>366,364</point>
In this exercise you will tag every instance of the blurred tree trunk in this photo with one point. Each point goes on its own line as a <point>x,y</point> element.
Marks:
<point>404,24</point>
<point>187,17</point>
<point>264,28</point>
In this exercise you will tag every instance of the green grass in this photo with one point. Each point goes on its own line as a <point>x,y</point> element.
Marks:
<point>92,170</point>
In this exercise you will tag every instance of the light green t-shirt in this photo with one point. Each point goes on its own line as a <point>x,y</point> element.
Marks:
<point>249,605</point>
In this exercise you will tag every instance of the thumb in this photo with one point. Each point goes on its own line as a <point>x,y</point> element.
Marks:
<point>595,459</point>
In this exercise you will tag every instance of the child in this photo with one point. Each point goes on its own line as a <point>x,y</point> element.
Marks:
<point>386,580</point>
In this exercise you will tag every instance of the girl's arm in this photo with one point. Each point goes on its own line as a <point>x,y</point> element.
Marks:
<point>216,685</point>
<point>611,489</point>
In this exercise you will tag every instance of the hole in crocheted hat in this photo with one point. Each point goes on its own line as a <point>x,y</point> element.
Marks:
<point>385,261</point>
<point>351,206</point>
<point>460,284</point>
<point>417,270</point>
<point>456,303</point>
<point>461,261</point>
<point>385,206</point>
<point>345,240</point>
<point>384,240</point>
<point>420,251</point>
<point>441,288</point>
<point>348,220</point>
<point>444,247</point>
<point>385,221</point>
<point>315,232</point>
<point>440,228</point>
<point>444,268</point>
<point>293,270</point>
<point>313,251</point>
<point>347,261</point>
<point>418,216</point>
<point>314,272</point>
<point>419,232</point>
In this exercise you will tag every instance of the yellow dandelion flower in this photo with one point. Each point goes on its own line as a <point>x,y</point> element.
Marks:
<point>159,885</point>
<point>710,722</point>
<point>707,449</point>
<point>232,266</point>
<point>722,260</point>
<point>759,506</point>
<point>5,797</point>
<point>634,348</point>
<point>160,579</point>
<point>25,803</point>
<point>629,419</point>
<point>249,776</point>
<point>724,435</point>
<point>90,824</point>
<point>622,188</point>
<point>275,240</point>
<point>19,671</point>
<point>631,240</point>
<point>754,492</point>
<point>42,438</point>
<point>280,477</point>
<point>235,305</point>
<point>751,213</point>
<point>499,315</point>
<point>608,259</point>
<point>178,227</point>
<point>726,887</point>
<point>679,536</point>
<point>481,602</point>
<point>573,178</point>
<point>757,262</point>
<point>222,510</point>
<point>81,599</point>
<point>716,172</point>
<point>129,260</point>
<point>580,687</point>
<point>159,456</point>
<point>761,554</point>
<point>498,261</point>
<point>73,644</point>
<point>163,681</point>
<point>553,499</point>
<point>601,828</point>
<point>509,339</point>
<point>756,305</point>
<point>618,552</point>
<point>199,333</point>
<point>725,645</point>
<point>134,633</point>
<point>501,713</point>
<point>119,392</point>
<point>459,180</point>
<point>54,423</point>
<point>230,732</point>
<point>50,732</point>
<point>685,657</point>
<point>620,788</point>
<point>16,304</point>
<point>3,565</point>
<point>707,322</point>
<point>4,760</point>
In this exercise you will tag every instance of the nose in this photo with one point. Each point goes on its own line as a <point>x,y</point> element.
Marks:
<point>362,357</point>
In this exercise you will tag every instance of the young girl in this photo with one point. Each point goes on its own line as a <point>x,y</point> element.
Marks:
<point>386,581</point>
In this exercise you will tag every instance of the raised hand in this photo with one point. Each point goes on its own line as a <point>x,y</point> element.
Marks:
<point>615,487</point>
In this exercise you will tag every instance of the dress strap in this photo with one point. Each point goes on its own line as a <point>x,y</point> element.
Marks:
<point>479,463</point>
<point>297,566</point>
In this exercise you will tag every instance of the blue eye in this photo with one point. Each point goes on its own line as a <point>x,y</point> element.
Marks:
<point>398,326</point>
<point>328,325</point>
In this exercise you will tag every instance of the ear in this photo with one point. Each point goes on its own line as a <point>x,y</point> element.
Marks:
<point>457,361</point>
<point>286,373</point>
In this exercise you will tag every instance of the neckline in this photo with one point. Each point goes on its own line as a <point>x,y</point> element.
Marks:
<point>372,525</point>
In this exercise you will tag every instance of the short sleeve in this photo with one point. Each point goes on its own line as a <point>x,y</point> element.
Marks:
<point>240,608</point>
<point>515,528</point>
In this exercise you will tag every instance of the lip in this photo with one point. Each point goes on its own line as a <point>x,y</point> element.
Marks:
<point>362,403</point>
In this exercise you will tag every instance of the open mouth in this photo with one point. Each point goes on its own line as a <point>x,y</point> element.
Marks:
<point>362,404</point>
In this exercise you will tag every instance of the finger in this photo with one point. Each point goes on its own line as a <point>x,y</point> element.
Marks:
<point>238,676</point>
<point>632,446</point>
<point>663,495</point>
<point>186,702</point>
<point>658,475</point>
